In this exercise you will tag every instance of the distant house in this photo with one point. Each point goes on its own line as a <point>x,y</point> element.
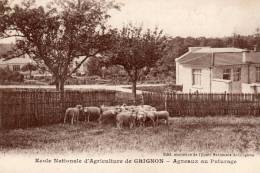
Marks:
<point>219,70</point>
<point>14,64</point>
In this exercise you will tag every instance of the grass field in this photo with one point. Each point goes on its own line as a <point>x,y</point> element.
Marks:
<point>208,134</point>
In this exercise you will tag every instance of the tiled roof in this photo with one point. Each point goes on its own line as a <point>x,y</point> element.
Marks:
<point>20,60</point>
<point>222,56</point>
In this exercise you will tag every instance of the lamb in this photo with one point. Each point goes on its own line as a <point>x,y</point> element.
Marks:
<point>125,118</point>
<point>108,116</point>
<point>73,112</point>
<point>141,117</point>
<point>150,116</point>
<point>92,113</point>
<point>146,107</point>
<point>159,115</point>
<point>106,108</point>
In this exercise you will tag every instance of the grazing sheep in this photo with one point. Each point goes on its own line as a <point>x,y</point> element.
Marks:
<point>92,113</point>
<point>159,115</point>
<point>126,118</point>
<point>106,108</point>
<point>146,107</point>
<point>108,116</point>
<point>73,113</point>
<point>150,117</point>
<point>141,117</point>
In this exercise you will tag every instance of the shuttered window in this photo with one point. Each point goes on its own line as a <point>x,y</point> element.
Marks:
<point>196,76</point>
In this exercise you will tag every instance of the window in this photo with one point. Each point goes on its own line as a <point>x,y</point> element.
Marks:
<point>237,74</point>
<point>16,68</point>
<point>196,76</point>
<point>227,74</point>
<point>257,74</point>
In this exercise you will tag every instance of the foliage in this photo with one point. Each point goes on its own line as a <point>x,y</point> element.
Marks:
<point>29,67</point>
<point>137,50</point>
<point>177,46</point>
<point>93,66</point>
<point>57,35</point>
<point>7,75</point>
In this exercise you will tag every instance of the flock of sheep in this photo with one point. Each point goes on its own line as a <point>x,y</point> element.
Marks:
<point>122,116</point>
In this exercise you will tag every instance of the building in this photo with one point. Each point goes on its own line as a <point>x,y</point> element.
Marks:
<point>14,64</point>
<point>219,70</point>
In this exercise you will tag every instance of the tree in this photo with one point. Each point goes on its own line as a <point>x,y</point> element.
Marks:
<point>93,66</point>
<point>57,35</point>
<point>137,51</point>
<point>29,67</point>
<point>10,76</point>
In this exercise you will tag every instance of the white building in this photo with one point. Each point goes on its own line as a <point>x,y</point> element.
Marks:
<point>218,70</point>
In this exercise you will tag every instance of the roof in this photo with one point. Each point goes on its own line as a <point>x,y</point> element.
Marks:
<point>20,60</point>
<point>222,56</point>
<point>4,48</point>
<point>219,50</point>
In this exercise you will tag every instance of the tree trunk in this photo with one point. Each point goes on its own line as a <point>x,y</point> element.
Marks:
<point>60,84</point>
<point>134,90</point>
<point>30,74</point>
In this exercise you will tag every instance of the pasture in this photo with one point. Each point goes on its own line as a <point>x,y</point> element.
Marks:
<point>184,134</point>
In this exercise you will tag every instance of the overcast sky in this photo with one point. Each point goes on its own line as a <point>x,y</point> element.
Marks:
<point>213,18</point>
<point>210,18</point>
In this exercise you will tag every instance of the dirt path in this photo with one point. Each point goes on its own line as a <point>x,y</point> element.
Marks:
<point>78,87</point>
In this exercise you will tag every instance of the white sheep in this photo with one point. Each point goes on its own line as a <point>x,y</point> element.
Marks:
<point>92,113</point>
<point>73,113</point>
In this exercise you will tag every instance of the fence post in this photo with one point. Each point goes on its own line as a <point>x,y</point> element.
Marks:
<point>165,101</point>
<point>1,109</point>
<point>142,98</point>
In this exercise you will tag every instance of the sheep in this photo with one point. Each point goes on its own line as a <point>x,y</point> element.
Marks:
<point>150,116</point>
<point>162,115</point>
<point>92,113</point>
<point>108,116</point>
<point>73,112</point>
<point>141,117</point>
<point>125,118</point>
<point>106,108</point>
<point>146,107</point>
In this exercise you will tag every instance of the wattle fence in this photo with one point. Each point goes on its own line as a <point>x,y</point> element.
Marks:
<point>199,104</point>
<point>22,109</point>
<point>28,108</point>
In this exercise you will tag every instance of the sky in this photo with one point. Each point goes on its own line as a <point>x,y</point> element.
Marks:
<point>210,18</point>
<point>196,18</point>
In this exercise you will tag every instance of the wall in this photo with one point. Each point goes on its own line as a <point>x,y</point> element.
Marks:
<point>221,86</point>
<point>236,86</point>
<point>184,77</point>
<point>252,88</point>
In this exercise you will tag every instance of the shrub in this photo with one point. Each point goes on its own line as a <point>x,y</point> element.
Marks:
<point>7,75</point>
